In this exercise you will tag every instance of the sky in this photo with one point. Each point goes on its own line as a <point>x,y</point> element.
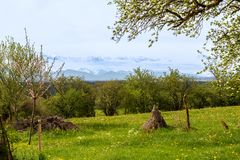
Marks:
<point>77,29</point>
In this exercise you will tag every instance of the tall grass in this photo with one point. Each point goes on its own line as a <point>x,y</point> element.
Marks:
<point>120,138</point>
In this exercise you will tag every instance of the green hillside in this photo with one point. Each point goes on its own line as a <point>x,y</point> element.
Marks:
<point>120,137</point>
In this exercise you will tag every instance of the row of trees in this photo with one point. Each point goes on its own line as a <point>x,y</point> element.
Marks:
<point>73,97</point>
<point>142,90</point>
<point>27,80</point>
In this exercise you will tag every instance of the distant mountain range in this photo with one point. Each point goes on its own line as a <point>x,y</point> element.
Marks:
<point>118,68</point>
<point>103,75</point>
<point>116,64</point>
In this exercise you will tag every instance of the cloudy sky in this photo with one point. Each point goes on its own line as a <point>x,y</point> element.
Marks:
<point>78,28</point>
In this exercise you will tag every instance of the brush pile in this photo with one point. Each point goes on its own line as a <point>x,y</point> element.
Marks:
<point>48,123</point>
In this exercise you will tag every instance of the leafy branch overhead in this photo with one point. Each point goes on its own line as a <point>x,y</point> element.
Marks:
<point>221,51</point>
<point>223,60</point>
<point>181,16</point>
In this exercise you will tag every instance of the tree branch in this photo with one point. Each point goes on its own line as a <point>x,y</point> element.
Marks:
<point>174,13</point>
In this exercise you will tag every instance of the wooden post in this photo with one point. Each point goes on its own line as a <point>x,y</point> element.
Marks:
<point>39,135</point>
<point>188,126</point>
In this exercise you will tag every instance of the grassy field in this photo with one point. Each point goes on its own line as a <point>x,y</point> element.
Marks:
<point>120,138</point>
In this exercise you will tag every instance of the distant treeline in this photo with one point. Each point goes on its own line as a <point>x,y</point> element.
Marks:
<point>74,97</point>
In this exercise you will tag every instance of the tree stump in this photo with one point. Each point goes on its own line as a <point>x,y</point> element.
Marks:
<point>156,121</point>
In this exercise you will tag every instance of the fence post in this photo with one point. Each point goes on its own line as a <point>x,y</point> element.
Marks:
<point>39,135</point>
<point>185,103</point>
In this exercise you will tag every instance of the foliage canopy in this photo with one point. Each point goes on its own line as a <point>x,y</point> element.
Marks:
<point>181,16</point>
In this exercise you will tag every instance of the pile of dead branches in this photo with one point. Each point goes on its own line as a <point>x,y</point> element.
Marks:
<point>48,123</point>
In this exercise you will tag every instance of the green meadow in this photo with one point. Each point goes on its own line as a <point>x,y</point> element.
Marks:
<point>121,138</point>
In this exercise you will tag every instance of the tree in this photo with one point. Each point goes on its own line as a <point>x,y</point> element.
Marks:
<point>74,98</point>
<point>223,60</point>
<point>179,87</point>
<point>200,96</point>
<point>172,83</point>
<point>187,17</point>
<point>13,64</point>
<point>72,104</point>
<point>108,97</point>
<point>38,74</point>
<point>141,92</point>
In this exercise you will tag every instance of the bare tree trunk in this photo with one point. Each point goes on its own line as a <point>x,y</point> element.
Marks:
<point>32,120</point>
<point>5,141</point>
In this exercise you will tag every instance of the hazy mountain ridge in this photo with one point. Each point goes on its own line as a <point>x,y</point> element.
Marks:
<point>103,75</point>
<point>96,63</point>
<point>98,68</point>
